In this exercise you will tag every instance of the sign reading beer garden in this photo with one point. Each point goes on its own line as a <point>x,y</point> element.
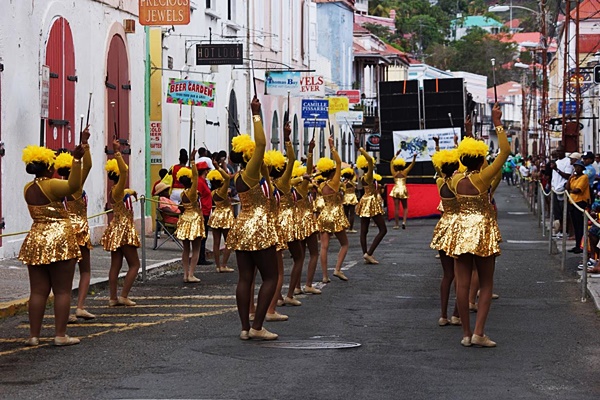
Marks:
<point>191,93</point>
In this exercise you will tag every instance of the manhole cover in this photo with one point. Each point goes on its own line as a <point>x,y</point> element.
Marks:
<point>310,345</point>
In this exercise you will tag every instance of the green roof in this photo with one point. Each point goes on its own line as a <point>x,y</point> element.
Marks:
<point>477,21</point>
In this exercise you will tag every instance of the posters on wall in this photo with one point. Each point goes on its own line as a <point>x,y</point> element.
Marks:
<point>421,142</point>
<point>192,93</point>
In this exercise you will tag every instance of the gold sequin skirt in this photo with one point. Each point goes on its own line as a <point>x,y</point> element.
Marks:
<point>286,226</point>
<point>221,218</point>
<point>120,232</point>
<point>369,206</point>
<point>82,230</point>
<point>307,222</point>
<point>333,219</point>
<point>350,199</point>
<point>252,231</point>
<point>190,225</point>
<point>471,233</point>
<point>318,204</point>
<point>399,192</point>
<point>49,242</point>
<point>441,230</point>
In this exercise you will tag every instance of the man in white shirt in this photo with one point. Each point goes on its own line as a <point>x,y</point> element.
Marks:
<point>561,171</point>
<point>203,156</point>
<point>596,163</point>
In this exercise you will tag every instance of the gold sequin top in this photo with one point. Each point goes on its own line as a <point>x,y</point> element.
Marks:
<point>399,191</point>
<point>350,198</point>
<point>332,218</point>
<point>370,203</point>
<point>450,208</point>
<point>254,228</point>
<point>121,230</point>
<point>222,215</point>
<point>51,237</point>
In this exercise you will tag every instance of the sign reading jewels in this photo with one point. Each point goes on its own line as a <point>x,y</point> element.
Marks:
<point>164,12</point>
<point>156,142</point>
<point>280,83</point>
<point>219,54</point>
<point>192,93</point>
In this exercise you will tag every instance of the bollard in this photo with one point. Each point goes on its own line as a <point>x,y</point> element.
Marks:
<point>585,258</point>
<point>566,200</point>
<point>143,211</point>
<point>551,221</point>
<point>540,207</point>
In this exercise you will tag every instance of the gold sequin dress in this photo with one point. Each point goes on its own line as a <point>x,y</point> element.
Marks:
<point>451,209</point>
<point>399,191</point>
<point>121,230</point>
<point>350,198</point>
<point>190,225</point>
<point>77,210</point>
<point>222,216</point>
<point>370,203</point>
<point>332,218</point>
<point>286,218</point>
<point>474,230</point>
<point>51,237</point>
<point>254,228</point>
<point>307,222</point>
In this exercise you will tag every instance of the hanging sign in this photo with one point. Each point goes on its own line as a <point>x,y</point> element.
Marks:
<point>219,54</point>
<point>45,90</point>
<point>373,142</point>
<point>312,85</point>
<point>280,83</point>
<point>349,117</point>
<point>312,109</point>
<point>421,143</point>
<point>193,93</point>
<point>352,95</point>
<point>315,123</point>
<point>156,142</point>
<point>337,104</point>
<point>164,12</point>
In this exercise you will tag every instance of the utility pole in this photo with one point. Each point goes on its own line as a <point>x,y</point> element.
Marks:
<point>544,105</point>
<point>578,83</point>
<point>566,79</point>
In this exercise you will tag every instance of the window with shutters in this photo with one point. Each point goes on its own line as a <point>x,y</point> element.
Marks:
<point>60,58</point>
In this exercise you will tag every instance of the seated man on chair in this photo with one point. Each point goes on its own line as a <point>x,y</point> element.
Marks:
<point>166,204</point>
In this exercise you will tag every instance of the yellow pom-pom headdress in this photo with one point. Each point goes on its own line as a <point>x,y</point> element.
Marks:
<point>361,162</point>
<point>39,154</point>
<point>243,144</point>
<point>347,172</point>
<point>214,175</point>
<point>472,147</point>
<point>275,159</point>
<point>299,169</point>
<point>444,157</point>
<point>185,171</point>
<point>112,166</point>
<point>63,160</point>
<point>398,162</point>
<point>319,179</point>
<point>325,164</point>
<point>377,177</point>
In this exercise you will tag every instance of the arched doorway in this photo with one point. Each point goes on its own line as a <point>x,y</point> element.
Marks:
<point>60,58</point>
<point>232,119</point>
<point>117,96</point>
<point>295,141</point>
<point>275,132</point>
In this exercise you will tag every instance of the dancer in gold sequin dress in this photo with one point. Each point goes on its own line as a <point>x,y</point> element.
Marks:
<point>445,163</point>
<point>50,249</point>
<point>253,235</point>
<point>221,219</point>
<point>190,225</point>
<point>76,205</point>
<point>399,192</point>
<point>350,200</point>
<point>369,206</point>
<point>474,236</point>
<point>120,237</point>
<point>332,219</point>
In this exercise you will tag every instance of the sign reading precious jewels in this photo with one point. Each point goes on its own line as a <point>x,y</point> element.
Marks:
<point>312,85</point>
<point>219,54</point>
<point>164,12</point>
<point>280,83</point>
<point>192,93</point>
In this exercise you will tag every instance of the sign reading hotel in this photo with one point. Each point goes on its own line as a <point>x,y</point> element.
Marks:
<point>279,83</point>
<point>164,12</point>
<point>191,93</point>
<point>312,86</point>
<point>219,54</point>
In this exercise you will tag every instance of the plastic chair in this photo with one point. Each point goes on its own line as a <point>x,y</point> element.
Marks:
<point>167,228</point>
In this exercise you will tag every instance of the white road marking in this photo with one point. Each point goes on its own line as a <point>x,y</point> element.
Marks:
<point>527,241</point>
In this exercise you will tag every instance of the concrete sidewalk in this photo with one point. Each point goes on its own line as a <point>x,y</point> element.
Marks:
<point>14,281</point>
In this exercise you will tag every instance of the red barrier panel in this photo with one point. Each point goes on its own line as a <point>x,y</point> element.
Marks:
<point>423,200</point>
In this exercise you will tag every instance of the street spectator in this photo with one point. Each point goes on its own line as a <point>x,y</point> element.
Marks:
<point>204,156</point>
<point>166,204</point>
<point>561,171</point>
<point>161,175</point>
<point>176,186</point>
<point>507,172</point>
<point>579,189</point>
<point>596,163</point>
<point>590,171</point>
<point>206,202</point>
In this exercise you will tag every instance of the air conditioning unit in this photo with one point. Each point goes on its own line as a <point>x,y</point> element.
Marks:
<point>129,25</point>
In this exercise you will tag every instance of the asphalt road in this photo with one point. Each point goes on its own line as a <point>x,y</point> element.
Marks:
<point>181,341</point>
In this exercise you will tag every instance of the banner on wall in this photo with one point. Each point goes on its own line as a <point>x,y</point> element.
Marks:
<point>421,142</point>
<point>312,86</point>
<point>280,83</point>
<point>192,93</point>
<point>156,142</point>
